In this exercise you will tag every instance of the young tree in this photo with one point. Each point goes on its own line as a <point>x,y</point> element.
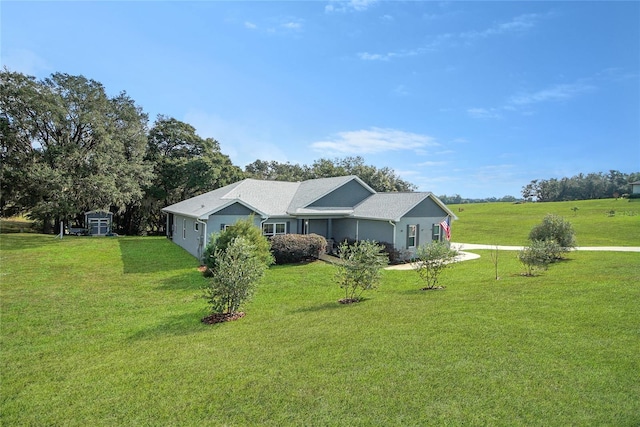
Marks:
<point>234,280</point>
<point>431,260</point>
<point>556,229</point>
<point>538,255</point>
<point>359,268</point>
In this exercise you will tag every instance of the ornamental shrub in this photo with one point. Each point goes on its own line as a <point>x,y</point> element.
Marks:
<point>291,248</point>
<point>431,259</point>
<point>233,281</point>
<point>555,228</point>
<point>242,228</point>
<point>539,255</point>
<point>359,268</point>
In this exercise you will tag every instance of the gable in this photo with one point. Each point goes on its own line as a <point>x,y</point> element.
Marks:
<point>426,208</point>
<point>347,195</point>
<point>235,209</point>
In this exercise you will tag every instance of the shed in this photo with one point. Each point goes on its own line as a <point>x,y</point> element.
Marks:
<point>635,187</point>
<point>98,223</point>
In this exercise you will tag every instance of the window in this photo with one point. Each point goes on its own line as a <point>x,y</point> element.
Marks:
<point>412,234</point>
<point>435,233</point>
<point>184,228</point>
<point>196,226</point>
<point>273,229</point>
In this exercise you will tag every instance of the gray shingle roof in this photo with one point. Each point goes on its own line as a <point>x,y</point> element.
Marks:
<point>282,199</point>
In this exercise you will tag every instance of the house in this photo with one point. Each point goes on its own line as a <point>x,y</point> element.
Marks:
<point>337,208</point>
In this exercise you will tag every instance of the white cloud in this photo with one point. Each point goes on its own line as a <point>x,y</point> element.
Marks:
<point>374,140</point>
<point>560,92</point>
<point>250,25</point>
<point>518,24</point>
<point>349,5</point>
<point>484,113</point>
<point>292,25</point>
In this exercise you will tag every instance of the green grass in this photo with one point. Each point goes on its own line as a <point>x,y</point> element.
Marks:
<point>106,331</point>
<point>509,223</point>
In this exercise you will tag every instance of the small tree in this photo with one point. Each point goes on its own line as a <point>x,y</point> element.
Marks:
<point>538,255</point>
<point>555,228</point>
<point>242,228</point>
<point>238,269</point>
<point>431,259</point>
<point>359,268</point>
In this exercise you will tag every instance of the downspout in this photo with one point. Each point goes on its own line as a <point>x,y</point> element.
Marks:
<point>357,230</point>
<point>264,219</point>
<point>204,237</point>
<point>393,224</point>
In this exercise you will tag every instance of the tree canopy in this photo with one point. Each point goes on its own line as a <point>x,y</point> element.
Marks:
<point>383,179</point>
<point>580,187</point>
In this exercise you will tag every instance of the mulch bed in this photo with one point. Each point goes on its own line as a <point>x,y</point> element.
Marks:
<point>222,317</point>
<point>349,300</point>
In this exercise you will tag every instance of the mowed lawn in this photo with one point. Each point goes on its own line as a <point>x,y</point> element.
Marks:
<point>106,331</point>
<point>605,222</point>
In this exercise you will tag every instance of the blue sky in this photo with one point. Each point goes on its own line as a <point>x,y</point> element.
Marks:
<point>474,98</point>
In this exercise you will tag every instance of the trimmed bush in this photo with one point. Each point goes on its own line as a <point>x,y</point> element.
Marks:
<point>292,248</point>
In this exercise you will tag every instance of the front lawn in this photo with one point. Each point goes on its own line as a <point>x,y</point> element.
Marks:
<point>107,331</point>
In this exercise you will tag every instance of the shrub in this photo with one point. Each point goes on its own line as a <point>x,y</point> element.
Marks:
<point>290,248</point>
<point>539,255</point>
<point>431,259</point>
<point>359,268</point>
<point>238,269</point>
<point>242,228</point>
<point>554,228</point>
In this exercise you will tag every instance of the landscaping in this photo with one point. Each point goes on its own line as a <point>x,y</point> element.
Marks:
<point>108,331</point>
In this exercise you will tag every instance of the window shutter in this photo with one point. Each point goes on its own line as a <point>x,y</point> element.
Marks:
<point>288,227</point>
<point>417,234</point>
<point>408,231</point>
<point>221,227</point>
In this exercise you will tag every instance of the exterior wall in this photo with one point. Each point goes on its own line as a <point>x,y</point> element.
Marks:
<point>635,188</point>
<point>362,229</point>
<point>425,232</point>
<point>426,208</point>
<point>348,195</point>
<point>185,235</point>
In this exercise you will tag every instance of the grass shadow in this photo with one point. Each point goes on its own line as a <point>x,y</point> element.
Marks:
<point>178,325</point>
<point>150,255</point>
<point>192,281</point>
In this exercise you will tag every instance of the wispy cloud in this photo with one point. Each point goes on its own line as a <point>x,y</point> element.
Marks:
<point>559,92</point>
<point>25,61</point>
<point>518,24</point>
<point>250,25</point>
<point>281,25</point>
<point>337,6</point>
<point>522,101</point>
<point>374,140</point>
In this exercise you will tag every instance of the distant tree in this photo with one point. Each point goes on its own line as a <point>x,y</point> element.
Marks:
<point>234,280</point>
<point>185,165</point>
<point>382,180</point>
<point>359,268</point>
<point>78,148</point>
<point>431,260</point>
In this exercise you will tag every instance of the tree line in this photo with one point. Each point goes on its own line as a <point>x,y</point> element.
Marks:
<point>581,187</point>
<point>66,148</point>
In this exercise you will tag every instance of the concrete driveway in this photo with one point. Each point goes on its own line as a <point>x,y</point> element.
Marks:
<point>466,256</point>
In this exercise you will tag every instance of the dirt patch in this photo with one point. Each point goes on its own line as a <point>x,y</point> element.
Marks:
<point>435,288</point>
<point>222,317</point>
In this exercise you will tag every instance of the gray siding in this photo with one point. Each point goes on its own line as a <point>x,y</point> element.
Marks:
<point>235,209</point>
<point>426,208</point>
<point>185,235</point>
<point>348,195</point>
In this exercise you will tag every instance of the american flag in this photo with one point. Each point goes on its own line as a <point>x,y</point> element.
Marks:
<point>446,228</point>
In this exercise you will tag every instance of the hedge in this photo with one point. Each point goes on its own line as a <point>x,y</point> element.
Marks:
<point>291,248</point>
